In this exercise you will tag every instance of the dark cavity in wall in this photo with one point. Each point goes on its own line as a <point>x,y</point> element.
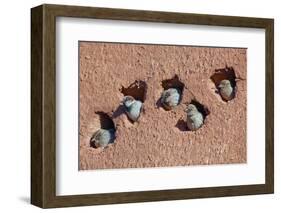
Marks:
<point>105,120</point>
<point>201,108</point>
<point>226,73</point>
<point>181,124</point>
<point>105,123</point>
<point>173,83</point>
<point>137,90</point>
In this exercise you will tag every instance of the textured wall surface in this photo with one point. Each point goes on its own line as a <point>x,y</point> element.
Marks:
<point>158,139</point>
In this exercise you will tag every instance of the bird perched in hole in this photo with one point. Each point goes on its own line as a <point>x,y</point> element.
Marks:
<point>103,137</point>
<point>132,107</point>
<point>226,90</point>
<point>170,98</point>
<point>194,118</point>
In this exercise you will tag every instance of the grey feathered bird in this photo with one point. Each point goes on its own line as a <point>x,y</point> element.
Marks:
<point>194,119</point>
<point>226,90</point>
<point>103,137</point>
<point>170,98</point>
<point>132,107</point>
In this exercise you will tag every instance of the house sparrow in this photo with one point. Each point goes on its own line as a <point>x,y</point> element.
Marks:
<point>170,98</point>
<point>194,118</point>
<point>226,90</point>
<point>132,107</point>
<point>103,137</point>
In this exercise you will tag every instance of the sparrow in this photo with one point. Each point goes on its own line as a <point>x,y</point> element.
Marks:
<point>103,137</point>
<point>226,90</point>
<point>194,118</point>
<point>170,98</point>
<point>132,107</point>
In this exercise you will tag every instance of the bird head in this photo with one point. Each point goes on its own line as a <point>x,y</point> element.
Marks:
<point>128,101</point>
<point>191,109</point>
<point>224,83</point>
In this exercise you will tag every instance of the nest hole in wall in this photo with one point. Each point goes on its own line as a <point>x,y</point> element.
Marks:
<point>226,73</point>
<point>106,123</point>
<point>181,124</point>
<point>171,83</point>
<point>201,108</point>
<point>137,90</point>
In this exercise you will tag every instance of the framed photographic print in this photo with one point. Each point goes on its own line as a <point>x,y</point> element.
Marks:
<point>136,106</point>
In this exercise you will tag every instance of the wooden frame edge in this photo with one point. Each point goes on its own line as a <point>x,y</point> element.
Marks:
<point>269,118</point>
<point>36,106</point>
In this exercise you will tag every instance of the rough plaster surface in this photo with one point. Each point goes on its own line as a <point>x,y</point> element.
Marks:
<point>158,139</point>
